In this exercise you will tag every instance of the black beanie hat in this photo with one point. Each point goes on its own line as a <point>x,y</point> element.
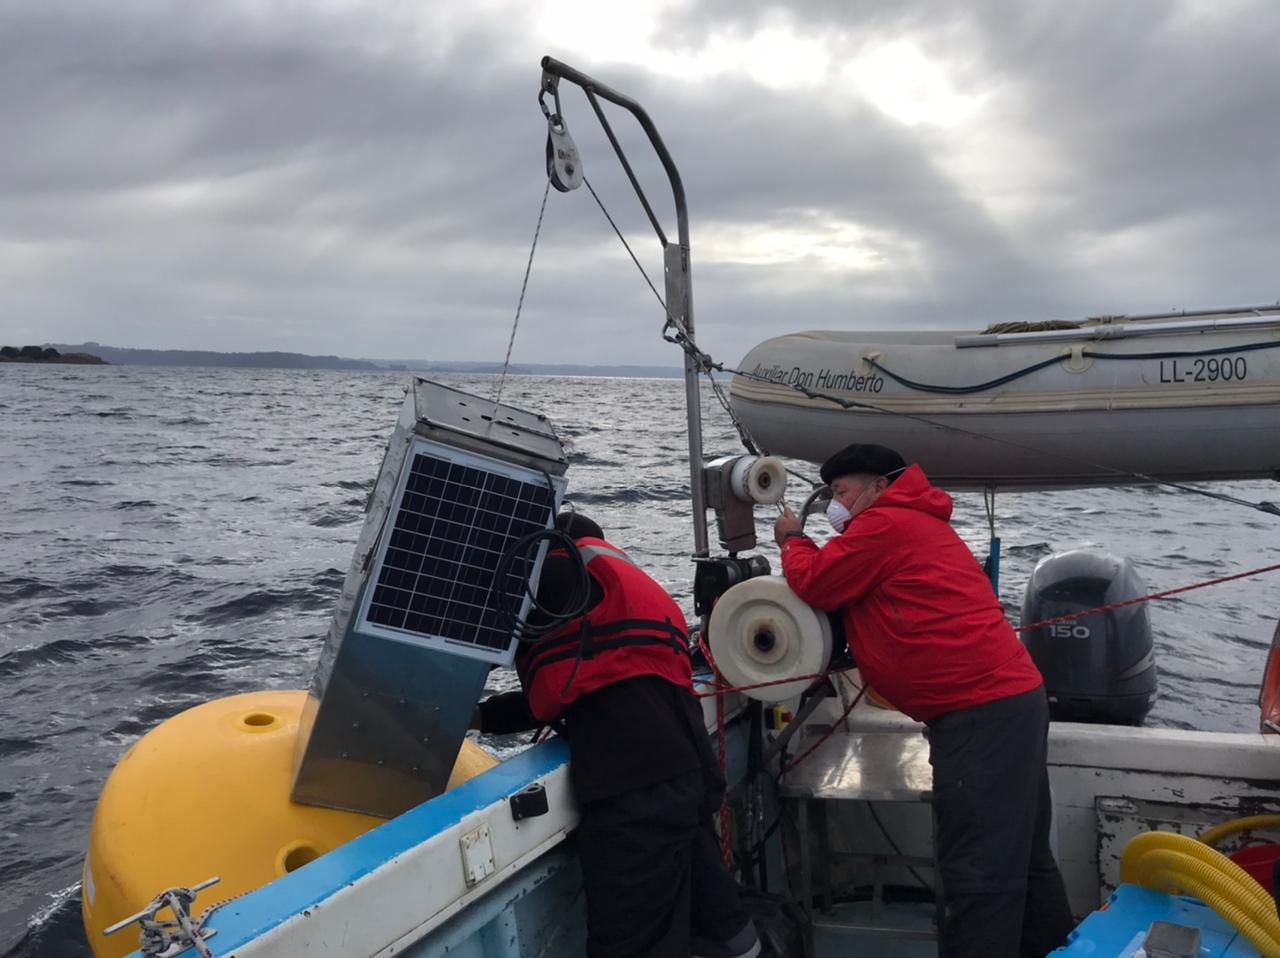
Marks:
<point>578,526</point>
<point>862,458</point>
<point>560,578</point>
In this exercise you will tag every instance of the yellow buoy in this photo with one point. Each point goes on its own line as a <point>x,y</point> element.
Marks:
<point>207,793</point>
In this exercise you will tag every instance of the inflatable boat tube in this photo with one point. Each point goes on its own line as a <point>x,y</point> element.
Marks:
<point>1185,401</point>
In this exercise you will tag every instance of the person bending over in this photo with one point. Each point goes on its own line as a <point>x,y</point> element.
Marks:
<point>616,682</point>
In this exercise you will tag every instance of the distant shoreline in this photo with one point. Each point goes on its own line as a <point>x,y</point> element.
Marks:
<point>125,356</point>
<point>48,356</point>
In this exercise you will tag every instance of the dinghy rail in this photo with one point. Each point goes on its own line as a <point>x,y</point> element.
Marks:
<point>1263,317</point>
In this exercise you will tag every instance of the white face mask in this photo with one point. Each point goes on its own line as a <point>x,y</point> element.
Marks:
<point>838,515</point>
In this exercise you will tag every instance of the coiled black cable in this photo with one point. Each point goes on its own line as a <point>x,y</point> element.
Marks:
<point>547,620</point>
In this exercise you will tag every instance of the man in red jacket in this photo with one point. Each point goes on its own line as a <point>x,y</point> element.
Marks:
<point>928,632</point>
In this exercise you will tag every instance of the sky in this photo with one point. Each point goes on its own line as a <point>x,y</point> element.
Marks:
<point>363,179</point>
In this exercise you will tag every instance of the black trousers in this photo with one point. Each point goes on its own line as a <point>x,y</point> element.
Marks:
<point>1003,893</point>
<point>653,873</point>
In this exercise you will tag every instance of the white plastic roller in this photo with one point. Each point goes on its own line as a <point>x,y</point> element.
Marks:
<point>760,631</point>
<point>761,480</point>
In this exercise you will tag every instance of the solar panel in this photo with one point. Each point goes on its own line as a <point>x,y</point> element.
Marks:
<point>456,514</point>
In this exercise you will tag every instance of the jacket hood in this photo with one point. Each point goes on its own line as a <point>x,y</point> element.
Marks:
<point>912,490</point>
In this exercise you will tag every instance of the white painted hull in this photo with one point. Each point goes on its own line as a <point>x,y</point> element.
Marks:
<point>1183,406</point>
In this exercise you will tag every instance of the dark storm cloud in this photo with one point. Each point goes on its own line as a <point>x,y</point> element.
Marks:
<point>355,181</point>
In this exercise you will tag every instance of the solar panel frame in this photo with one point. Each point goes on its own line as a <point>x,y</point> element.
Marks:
<point>454,514</point>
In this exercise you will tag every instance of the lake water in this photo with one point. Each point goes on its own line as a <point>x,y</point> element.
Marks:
<point>174,535</point>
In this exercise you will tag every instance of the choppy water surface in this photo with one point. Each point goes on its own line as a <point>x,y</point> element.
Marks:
<point>174,535</point>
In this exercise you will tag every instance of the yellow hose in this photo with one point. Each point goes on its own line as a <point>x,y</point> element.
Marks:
<point>1152,842</point>
<point>1247,824</point>
<point>1168,862</point>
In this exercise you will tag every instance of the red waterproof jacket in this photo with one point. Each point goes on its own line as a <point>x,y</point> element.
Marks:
<point>635,629</point>
<point>923,623</point>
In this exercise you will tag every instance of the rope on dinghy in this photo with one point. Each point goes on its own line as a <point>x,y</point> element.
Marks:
<point>1042,364</point>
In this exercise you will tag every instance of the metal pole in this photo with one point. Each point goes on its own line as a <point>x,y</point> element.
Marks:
<point>679,283</point>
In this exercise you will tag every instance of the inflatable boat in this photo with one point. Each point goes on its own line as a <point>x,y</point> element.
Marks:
<point>1180,396</point>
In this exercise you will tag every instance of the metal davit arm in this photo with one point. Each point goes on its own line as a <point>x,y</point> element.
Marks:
<point>676,263</point>
<point>554,70</point>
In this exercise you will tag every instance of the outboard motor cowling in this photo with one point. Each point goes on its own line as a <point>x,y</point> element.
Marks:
<point>1099,668</point>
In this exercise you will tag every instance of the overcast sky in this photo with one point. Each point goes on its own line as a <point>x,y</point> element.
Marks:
<point>363,178</point>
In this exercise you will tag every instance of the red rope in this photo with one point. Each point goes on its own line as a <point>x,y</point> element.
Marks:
<point>720,689</point>
<point>724,802</point>
<point>828,733</point>
<point>721,741</point>
<point>1147,598</point>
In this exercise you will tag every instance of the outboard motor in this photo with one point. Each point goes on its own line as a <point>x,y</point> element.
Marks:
<point>1099,668</point>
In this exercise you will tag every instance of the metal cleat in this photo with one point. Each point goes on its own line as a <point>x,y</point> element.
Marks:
<point>167,938</point>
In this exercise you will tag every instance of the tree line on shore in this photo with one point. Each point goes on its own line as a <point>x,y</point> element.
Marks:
<point>44,354</point>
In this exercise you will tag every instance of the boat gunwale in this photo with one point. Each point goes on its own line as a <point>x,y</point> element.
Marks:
<point>259,916</point>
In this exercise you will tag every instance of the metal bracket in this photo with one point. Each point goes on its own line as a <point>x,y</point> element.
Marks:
<point>529,802</point>
<point>820,694</point>
<point>477,855</point>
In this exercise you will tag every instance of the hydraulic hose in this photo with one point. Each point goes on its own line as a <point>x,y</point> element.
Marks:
<point>1151,842</point>
<point>1168,862</point>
